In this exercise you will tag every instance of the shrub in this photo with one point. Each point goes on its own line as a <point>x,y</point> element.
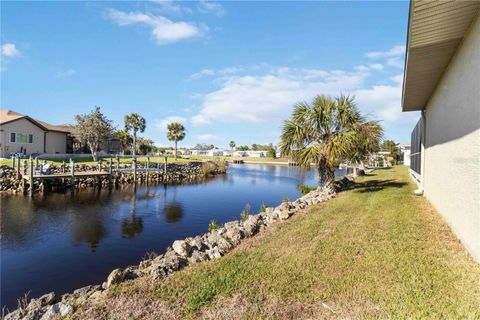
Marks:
<point>304,189</point>
<point>263,207</point>
<point>285,199</point>
<point>214,167</point>
<point>213,225</point>
<point>245,212</point>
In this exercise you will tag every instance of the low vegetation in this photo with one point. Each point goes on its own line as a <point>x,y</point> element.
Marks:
<point>304,189</point>
<point>213,167</point>
<point>375,252</point>
<point>213,225</point>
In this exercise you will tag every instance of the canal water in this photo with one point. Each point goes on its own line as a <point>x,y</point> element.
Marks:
<point>60,242</point>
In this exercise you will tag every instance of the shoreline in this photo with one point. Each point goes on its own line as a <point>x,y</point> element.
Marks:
<point>209,246</point>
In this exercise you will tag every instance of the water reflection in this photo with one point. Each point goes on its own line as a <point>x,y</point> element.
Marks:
<point>52,236</point>
<point>173,212</point>
<point>132,227</point>
<point>89,229</point>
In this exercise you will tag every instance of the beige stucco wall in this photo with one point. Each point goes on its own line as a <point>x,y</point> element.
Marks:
<point>25,127</point>
<point>56,142</point>
<point>451,175</point>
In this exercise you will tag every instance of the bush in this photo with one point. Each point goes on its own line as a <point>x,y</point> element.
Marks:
<point>285,199</point>
<point>245,212</point>
<point>213,225</point>
<point>214,167</point>
<point>263,207</point>
<point>304,189</point>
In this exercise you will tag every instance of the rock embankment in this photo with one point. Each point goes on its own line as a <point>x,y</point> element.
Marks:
<point>209,246</point>
<point>175,173</point>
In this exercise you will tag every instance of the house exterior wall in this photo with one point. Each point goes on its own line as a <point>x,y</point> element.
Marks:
<point>451,170</point>
<point>56,142</point>
<point>25,127</point>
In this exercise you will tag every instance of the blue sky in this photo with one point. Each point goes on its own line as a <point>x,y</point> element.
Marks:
<point>227,70</point>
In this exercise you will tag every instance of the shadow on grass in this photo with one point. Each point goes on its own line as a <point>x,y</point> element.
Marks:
<point>375,185</point>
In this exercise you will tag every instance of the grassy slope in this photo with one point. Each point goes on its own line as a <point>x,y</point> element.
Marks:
<point>376,251</point>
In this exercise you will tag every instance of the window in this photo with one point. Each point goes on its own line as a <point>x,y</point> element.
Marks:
<point>21,138</point>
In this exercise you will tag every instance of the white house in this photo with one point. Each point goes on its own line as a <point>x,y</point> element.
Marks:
<point>405,149</point>
<point>212,152</point>
<point>442,80</point>
<point>251,153</point>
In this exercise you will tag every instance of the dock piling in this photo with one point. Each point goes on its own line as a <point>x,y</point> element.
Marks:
<point>148,168</point>
<point>110,169</point>
<point>32,186</point>
<point>134,164</point>
<point>18,168</point>
<point>165,166</point>
<point>72,185</point>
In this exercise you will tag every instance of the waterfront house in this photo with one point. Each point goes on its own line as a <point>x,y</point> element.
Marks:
<point>442,80</point>
<point>251,153</point>
<point>25,135</point>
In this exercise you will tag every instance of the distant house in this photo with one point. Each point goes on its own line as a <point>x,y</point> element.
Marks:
<point>212,152</point>
<point>405,156</point>
<point>22,134</point>
<point>251,153</point>
<point>442,80</point>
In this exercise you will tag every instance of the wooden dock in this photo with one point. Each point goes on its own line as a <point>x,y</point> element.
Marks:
<point>81,174</point>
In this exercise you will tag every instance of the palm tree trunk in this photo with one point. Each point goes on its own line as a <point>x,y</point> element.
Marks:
<point>326,173</point>
<point>175,150</point>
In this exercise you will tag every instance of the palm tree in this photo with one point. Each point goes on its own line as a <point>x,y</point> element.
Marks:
<point>176,132</point>
<point>366,141</point>
<point>135,123</point>
<point>322,132</point>
<point>232,144</point>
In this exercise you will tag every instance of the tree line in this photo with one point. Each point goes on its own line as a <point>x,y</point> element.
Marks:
<point>94,128</point>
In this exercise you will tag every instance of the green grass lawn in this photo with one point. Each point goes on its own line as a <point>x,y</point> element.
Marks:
<point>153,159</point>
<point>89,160</point>
<point>375,251</point>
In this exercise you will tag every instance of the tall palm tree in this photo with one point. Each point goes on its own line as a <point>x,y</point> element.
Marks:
<point>136,123</point>
<point>232,144</point>
<point>176,132</point>
<point>322,133</point>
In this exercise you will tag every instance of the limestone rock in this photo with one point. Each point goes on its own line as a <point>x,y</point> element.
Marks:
<point>59,309</point>
<point>182,248</point>
<point>115,277</point>
<point>198,256</point>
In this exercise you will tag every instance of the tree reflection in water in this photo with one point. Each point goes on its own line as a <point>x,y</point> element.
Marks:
<point>173,210</point>
<point>133,226</point>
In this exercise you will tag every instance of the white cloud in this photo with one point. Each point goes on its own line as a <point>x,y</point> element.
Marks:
<point>206,137</point>
<point>164,30</point>
<point>202,73</point>
<point>66,73</point>
<point>211,72</point>
<point>396,62</point>
<point>169,6</point>
<point>214,7</point>
<point>161,124</point>
<point>376,66</point>
<point>269,97</point>
<point>396,51</point>
<point>9,50</point>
